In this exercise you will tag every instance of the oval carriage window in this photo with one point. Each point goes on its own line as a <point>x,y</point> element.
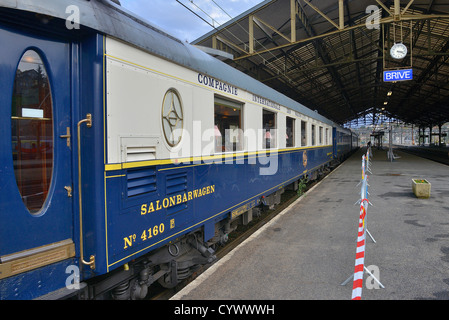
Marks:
<point>32,131</point>
<point>172,117</point>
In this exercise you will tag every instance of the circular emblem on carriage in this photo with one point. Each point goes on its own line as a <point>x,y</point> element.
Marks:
<point>172,117</point>
<point>304,159</point>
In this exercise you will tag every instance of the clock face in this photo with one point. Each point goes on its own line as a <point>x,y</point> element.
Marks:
<point>398,51</point>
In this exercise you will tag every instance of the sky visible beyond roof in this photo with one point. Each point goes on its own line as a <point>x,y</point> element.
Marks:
<point>175,19</point>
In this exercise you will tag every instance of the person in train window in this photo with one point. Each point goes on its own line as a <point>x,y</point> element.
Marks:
<point>268,136</point>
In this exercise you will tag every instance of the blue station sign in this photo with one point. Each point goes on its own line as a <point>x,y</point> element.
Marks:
<point>398,75</point>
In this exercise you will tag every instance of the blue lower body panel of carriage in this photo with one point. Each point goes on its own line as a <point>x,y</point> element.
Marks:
<point>152,205</point>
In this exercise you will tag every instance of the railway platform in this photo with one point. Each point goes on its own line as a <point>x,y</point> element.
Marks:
<point>309,249</point>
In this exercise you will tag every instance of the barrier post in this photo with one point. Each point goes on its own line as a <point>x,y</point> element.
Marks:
<point>364,189</point>
<point>361,236</point>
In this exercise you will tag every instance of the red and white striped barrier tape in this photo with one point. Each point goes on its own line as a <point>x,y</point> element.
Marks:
<point>360,256</point>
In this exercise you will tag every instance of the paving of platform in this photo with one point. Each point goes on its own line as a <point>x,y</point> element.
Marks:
<point>308,250</point>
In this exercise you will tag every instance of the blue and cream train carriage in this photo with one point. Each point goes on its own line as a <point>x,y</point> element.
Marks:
<point>126,154</point>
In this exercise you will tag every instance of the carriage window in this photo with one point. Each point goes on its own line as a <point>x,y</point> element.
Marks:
<point>303,133</point>
<point>228,126</point>
<point>321,135</point>
<point>313,134</point>
<point>32,131</point>
<point>269,129</point>
<point>326,137</point>
<point>290,134</point>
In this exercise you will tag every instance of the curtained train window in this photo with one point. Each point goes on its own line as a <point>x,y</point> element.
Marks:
<point>313,135</point>
<point>32,131</point>
<point>269,129</point>
<point>303,133</point>
<point>228,129</point>
<point>290,132</point>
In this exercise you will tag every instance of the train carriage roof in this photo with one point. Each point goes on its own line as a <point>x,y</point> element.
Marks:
<point>111,19</point>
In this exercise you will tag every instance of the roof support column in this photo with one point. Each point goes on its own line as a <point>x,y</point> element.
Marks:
<point>419,135</point>
<point>423,128</point>
<point>293,11</point>
<point>251,34</point>
<point>341,14</point>
<point>397,10</point>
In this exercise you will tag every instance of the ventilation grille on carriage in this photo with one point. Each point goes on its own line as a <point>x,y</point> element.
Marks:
<point>176,186</point>
<point>140,153</point>
<point>141,181</point>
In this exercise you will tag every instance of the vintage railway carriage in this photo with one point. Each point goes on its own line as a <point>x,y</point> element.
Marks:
<point>344,141</point>
<point>127,154</point>
<point>354,141</point>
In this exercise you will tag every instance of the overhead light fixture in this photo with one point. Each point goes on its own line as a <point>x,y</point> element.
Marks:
<point>385,103</point>
<point>389,93</point>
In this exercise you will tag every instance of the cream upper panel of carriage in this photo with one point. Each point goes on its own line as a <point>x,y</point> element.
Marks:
<point>139,85</point>
<point>160,110</point>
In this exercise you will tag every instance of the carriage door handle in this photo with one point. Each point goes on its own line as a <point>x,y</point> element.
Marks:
<point>88,122</point>
<point>69,191</point>
<point>67,136</point>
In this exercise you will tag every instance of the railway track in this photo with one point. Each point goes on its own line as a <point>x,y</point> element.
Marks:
<point>440,155</point>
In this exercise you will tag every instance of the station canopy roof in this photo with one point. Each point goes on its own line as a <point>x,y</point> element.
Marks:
<point>330,55</point>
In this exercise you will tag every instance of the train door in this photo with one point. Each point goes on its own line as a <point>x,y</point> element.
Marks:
<point>36,198</point>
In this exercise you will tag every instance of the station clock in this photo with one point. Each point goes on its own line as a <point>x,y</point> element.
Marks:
<point>398,51</point>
